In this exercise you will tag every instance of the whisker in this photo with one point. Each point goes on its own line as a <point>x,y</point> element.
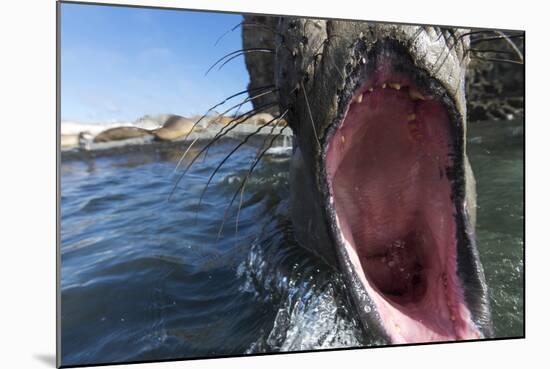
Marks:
<point>479,32</point>
<point>218,167</point>
<point>250,24</point>
<point>316,53</point>
<point>227,32</point>
<point>238,106</point>
<point>455,43</point>
<point>418,33</point>
<point>491,51</point>
<point>496,38</point>
<point>242,118</point>
<point>250,170</point>
<point>257,96</point>
<point>501,36</point>
<point>498,60</point>
<point>512,45</point>
<point>310,115</point>
<point>331,61</point>
<point>441,31</point>
<point>270,51</point>
<point>237,53</point>
<point>260,25</point>
<point>223,102</point>
<point>325,42</point>
<point>446,57</point>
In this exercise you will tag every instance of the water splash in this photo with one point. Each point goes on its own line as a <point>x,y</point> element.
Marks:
<point>311,308</point>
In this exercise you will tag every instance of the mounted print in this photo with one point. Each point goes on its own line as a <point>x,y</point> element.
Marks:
<point>239,184</point>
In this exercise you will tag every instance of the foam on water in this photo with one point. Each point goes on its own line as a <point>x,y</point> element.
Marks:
<point>311,314</point>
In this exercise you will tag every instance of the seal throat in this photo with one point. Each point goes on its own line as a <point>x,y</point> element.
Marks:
<point>387,168</point>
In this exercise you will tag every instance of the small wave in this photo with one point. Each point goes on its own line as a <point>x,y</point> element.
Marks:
<point>311,312</point>
<point>279,151</point>
<point>103,202</point>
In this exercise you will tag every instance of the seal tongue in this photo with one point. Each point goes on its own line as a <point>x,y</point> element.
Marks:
<point>387,168</point>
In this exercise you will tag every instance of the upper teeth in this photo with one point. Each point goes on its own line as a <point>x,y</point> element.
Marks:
<point>413,93</point>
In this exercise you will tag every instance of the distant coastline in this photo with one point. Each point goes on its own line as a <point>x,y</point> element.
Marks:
<point>79,139</point>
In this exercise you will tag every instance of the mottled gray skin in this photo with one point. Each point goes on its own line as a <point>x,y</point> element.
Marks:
<point>326,60</point>
<point>258,33</point>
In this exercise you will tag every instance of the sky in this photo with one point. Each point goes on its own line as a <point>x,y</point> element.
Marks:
<point>120,63</point>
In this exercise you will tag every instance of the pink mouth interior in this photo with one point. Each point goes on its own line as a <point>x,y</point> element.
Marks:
<point>386,167</point>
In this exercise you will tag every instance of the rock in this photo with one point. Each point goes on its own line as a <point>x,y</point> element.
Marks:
<point>69,141</point>
<point>494,90</point>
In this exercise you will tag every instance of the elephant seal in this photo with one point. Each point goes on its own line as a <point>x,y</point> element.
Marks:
<point>175,127</point>
<point>381,187</point>
<point>121,133</point>
<point>223,120</point>
<point>263,118</point>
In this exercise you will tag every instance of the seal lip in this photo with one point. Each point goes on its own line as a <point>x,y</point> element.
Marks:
<point>361,82</point>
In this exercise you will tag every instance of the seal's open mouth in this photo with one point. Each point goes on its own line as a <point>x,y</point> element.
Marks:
<point>388,169</point>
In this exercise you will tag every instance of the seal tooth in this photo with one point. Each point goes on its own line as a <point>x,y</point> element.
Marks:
<point>411,117</point>
<point>371,89</point>
<point>358,98</point>
<point>415,95</point>
<point>396,86</point>
<point>384,85</point>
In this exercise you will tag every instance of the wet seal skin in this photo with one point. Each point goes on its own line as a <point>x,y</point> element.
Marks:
<point>381,187</point>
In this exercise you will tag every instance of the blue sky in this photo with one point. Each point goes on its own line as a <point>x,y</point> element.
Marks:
<point>118,64</point>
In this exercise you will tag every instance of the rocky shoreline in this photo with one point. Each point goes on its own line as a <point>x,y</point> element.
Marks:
<point>495,87</point>
<point>89,141</point>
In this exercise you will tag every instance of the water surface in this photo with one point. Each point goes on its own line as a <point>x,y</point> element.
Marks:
<point>144,278</point>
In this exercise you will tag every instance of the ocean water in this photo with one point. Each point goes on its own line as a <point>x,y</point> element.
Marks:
<point>147,278</point>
